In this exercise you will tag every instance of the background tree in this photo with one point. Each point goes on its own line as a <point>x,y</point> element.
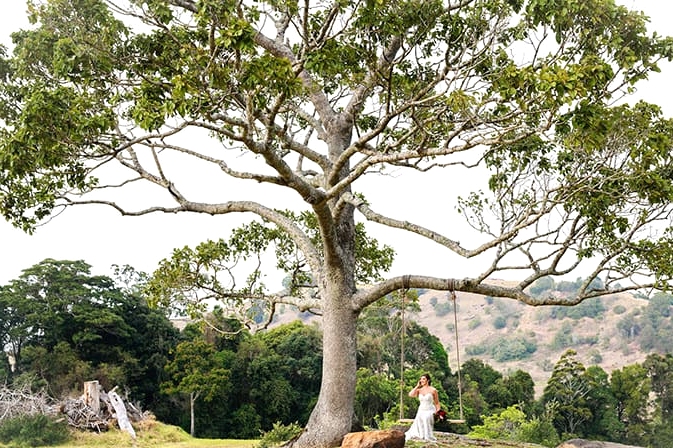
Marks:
<point>604,423</point>
<point>566,394</point>
<point>306,101</point>
<point>660,374</point>
<point>68,325</point>
<point>631,388</point>
<point>375,396</point>
<point>194,371</point>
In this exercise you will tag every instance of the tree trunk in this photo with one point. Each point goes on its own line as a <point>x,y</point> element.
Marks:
<point>332,416</point>
<point>92,396</point>
<point>192,399</point>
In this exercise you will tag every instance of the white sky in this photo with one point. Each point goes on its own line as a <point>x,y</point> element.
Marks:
<point>101,237</point>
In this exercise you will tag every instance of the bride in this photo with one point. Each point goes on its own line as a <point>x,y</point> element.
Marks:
<point>424,422</point>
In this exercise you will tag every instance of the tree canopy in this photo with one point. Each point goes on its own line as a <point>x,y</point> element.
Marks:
<point>151,106</point>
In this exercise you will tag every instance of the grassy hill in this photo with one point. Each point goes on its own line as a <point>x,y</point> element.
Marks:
<point>494,329</point>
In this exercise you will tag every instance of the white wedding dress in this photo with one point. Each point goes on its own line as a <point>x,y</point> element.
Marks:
<point>424,422</point>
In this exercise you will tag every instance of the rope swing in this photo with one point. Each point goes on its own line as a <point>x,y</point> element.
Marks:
<point>460,381</point>
<point>403,330</point>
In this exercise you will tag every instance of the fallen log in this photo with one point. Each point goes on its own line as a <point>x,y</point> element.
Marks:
<point>120,411</point>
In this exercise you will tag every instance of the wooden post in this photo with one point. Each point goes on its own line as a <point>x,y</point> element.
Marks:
<point>92,395</point>
<point>120,411</point>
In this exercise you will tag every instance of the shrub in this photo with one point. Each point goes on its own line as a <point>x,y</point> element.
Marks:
<point>502,426</point>
<point>443,308</point>
<point>33,430</point>
<point>619,309</point>
<point>509,349</point>
<point>474,323</point>
<point>538,431</point>
<point>476,349</point>
<point>279,434</point>
<point>499,322</point>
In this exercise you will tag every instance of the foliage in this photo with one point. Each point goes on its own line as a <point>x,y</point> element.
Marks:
<point>33,430</point>
<point>565,338</point>
<point>68,325</point>
<point>279,434</point>
<point>506,348</point>
<point>542,285</point>
<point>192,276</point>
<point>380,342</point>
<point>566,395</point>
<point>193,369</point>
<point>604,423</point>
<point>499,322</point>
<point>306,101</point>
<point>540,431</point>
<point>619,309</point>
<point>443,308</point>
<point>474,323</point>
<point>274,377</point>
<point>504,425</point>
<point>660,373</point>
<point>591,308</point>
<point>375,394</point>
<point>631,389</point>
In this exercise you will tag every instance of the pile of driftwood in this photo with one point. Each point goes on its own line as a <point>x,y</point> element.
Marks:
<point>18,402</point>
<point>95,410</point>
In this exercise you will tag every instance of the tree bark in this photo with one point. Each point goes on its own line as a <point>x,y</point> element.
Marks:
<point>332,416</point>
<point>192,399</point>
<point>92,396</point>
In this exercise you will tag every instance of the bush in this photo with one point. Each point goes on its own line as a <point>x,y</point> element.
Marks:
<point>501,426</point>
<point>619,309</point>
<point>279,434</point>
<point>514,348</point>
<point>33,430</point>
<point>538,431</point>
<point>476,349</point>
<point>474,323</point>
<point>499,322</point>
<point>442,309</point>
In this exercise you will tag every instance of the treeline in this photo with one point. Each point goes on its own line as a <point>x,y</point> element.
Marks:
<point>61,326</point>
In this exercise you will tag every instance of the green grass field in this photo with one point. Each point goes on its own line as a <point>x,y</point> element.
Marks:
<point>153,434</point>
<point>150,434</point>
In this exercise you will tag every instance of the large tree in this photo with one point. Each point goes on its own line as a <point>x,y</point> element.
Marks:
<point>518,100</point>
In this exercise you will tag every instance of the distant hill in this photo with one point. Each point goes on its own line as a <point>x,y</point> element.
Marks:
<point>493,329</point>
<point>509,335</point>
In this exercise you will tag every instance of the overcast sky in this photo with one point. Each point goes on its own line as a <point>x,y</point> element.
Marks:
<point>101,237</point>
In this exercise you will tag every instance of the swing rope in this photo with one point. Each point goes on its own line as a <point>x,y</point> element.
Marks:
<point>405,290</point>
<point>460,381</point>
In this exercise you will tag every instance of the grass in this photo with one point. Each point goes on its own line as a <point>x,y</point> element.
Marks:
<point>150,434</point>
<point>153,434</point>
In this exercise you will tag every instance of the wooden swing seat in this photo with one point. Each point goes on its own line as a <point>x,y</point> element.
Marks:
<point>456,421</point>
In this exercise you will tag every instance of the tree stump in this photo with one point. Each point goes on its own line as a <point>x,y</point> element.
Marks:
<point>91,395</point>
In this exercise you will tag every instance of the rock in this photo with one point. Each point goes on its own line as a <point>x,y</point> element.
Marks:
<point>392,438</point>
<point>581,443</point>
